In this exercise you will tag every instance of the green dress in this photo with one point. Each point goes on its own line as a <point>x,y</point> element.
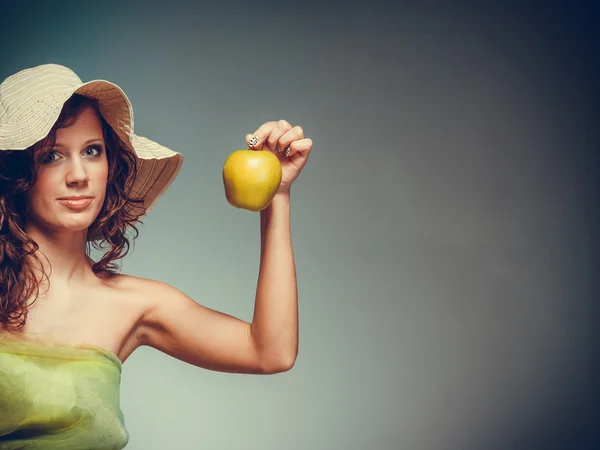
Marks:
<point>56,396</point>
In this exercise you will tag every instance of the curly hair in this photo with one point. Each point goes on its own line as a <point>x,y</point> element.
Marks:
<point>18,252</point>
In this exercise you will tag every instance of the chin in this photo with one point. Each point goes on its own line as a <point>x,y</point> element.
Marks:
<point>81,223</point>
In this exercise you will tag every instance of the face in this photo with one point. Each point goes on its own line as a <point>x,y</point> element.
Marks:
<point>76,166</point>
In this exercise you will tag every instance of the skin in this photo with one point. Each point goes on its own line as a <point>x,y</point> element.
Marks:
<point>77,165</point>
<point>126,312</point>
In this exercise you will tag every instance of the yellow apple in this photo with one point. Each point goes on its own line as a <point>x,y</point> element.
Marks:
<point>251,178</point>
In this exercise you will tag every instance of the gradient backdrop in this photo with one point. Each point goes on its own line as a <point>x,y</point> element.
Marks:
<point>444,227</point>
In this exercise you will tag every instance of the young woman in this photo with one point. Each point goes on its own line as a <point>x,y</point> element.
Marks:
<point>73,175</point>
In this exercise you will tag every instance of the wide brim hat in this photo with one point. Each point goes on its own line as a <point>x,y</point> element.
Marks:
<point>31,101</point>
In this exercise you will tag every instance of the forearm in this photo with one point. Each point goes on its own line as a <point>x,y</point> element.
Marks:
<point>275,321</point>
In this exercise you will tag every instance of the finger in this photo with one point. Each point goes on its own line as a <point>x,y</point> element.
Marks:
<point>300,148</point>
<point>256,141</point>
<point>282,128</point>
<point>293,134</point>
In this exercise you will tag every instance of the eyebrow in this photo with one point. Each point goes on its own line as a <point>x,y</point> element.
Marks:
<point>89,141</point>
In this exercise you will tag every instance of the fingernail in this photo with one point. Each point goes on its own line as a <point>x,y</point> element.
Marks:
<point>253,141</point>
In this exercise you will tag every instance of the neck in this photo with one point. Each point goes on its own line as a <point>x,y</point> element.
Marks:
<point>63,257</point>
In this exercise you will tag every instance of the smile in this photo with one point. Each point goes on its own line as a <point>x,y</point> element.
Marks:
<point>76,204</point>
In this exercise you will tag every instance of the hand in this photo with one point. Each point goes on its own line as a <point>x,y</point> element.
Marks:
<point>279,137</point>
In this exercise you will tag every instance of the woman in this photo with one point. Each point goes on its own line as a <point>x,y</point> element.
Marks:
<point>73,176</point>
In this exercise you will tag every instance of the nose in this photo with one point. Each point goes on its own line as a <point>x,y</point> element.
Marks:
<point>77,173</point>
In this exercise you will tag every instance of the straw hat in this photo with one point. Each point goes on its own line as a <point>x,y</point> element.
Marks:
<point>32,99</point>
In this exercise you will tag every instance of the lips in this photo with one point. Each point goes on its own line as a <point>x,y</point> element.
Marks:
<point>79,202</point>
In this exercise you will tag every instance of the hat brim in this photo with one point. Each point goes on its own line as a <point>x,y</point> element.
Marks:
<point>157,165</point>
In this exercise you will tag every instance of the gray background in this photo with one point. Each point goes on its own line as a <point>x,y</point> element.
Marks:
<point>444,227</point>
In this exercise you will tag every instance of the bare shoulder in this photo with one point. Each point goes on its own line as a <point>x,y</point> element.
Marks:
<point>148,295</point>
<point>141,291</point>
<point>139,296</point>
<point>145,290</point>
<point>131,283</point>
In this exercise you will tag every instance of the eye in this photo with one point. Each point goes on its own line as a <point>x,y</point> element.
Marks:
<point>47,159</point>
<point>94,148</point>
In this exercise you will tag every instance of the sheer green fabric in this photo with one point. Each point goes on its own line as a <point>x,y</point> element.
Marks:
<point>55,396</point>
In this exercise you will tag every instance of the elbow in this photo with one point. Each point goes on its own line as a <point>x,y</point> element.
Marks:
<point>279,366</point>
<point>287,365</point>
